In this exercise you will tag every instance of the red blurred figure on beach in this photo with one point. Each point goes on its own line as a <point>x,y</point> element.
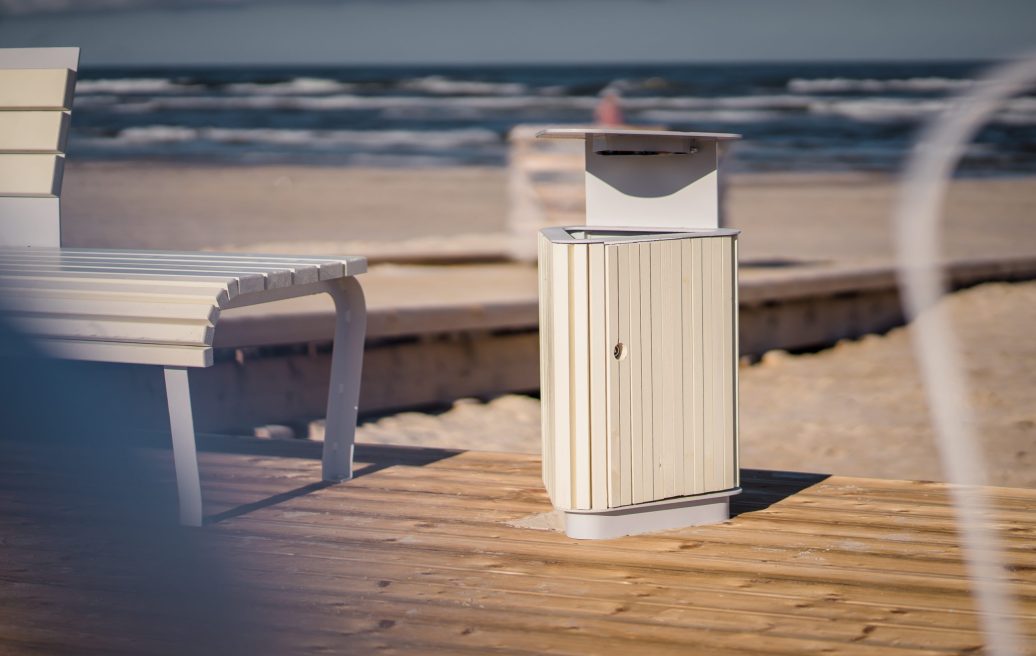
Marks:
<point>608,112</point>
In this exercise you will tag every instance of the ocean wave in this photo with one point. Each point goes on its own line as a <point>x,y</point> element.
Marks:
<point>350,101</point>
<point>298,85</point>
<point>439,84</point>
<point>379,139</point>
<point>140,85</point>
<point>1017,111</point>
<point>843,84</point>
<point>667,116</point>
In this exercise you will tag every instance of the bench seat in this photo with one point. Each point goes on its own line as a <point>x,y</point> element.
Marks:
<point>146,307</point>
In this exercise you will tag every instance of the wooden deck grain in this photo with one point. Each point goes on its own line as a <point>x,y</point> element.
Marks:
<point>417,555</point>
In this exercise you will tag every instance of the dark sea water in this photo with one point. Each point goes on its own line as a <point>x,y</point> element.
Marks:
<point>794,117</point>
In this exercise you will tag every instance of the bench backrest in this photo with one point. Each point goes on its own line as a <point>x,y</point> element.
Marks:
<point>36,87</point>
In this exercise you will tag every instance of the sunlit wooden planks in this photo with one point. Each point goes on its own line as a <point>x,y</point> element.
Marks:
<point>638,354</point>
<point>418,556</point>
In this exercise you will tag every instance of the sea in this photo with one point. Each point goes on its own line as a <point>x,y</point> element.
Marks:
<point>793,117</point>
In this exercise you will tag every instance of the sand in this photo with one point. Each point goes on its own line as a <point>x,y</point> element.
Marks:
<point>806,218</point>
<point>856,409</point>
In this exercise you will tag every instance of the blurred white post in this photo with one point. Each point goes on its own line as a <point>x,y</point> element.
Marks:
<point>916,223</point>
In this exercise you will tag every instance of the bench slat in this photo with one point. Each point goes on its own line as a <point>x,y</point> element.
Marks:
<point>152,331</point>
<point>279,275</point>
<point>110,306</point>
<point>33,132</point>
<point>233,285</point>
<point>334,267</point>
<point>140,289</point>
<point>36,88</point>
<point>127,353</point>
<point>275,278</point>
<point>30,174</point>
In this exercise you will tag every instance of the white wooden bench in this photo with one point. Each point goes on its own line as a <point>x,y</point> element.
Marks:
<point>143,307</point>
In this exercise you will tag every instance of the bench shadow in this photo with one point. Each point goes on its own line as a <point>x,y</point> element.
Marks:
<point>374,458</point>
<point>761,488</point>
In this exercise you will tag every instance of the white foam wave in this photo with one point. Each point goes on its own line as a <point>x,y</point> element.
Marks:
<point>1019,111</point>
<point>141,85</point>
<point>842,84</point>
<point>350,101</point>
<point>438,84</point>
<point>379,139</point>
<point>299,85</point>
<point>709,116</point>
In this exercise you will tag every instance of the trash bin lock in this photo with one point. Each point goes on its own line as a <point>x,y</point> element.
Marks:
<point>638,350</point>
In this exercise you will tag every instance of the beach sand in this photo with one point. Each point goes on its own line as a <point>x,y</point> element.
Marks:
<point>802,217</point>
<point>855,409</point>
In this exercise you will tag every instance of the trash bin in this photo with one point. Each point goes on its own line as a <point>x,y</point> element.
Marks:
<point>638,339</point>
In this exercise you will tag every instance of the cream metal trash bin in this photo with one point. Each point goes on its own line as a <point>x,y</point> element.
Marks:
<point>638,340</point>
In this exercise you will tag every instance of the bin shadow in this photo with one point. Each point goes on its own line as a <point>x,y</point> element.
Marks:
<point>372,459</point>
<point>761,488</point>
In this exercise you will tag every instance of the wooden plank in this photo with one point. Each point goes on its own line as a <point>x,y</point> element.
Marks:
<point>646,374</point>
<point>546,338</point>
<point>107,305</point>
<point>29,221</point>
<point>146,331</point>
<point>33,132</point>
<point>274,278</point>
<point>735,340</point>
<point>233,285</point>
<point>579,374</point>
<point>602,383</point>
<point>130,289</point>
<point>128,353</point>
<point>729,364</point>
<point>36,88</point>
<point>330,266</point>
<point>562,379</point>
<point>635,360</point>
<point>709,372</point>
<point>655,389</point>
<point>30,174</point>
<point>673,399</point>
<point>305,272</point>
<point>619,395</point>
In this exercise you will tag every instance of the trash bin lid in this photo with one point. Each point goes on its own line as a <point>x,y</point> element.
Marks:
<point>584,132</point>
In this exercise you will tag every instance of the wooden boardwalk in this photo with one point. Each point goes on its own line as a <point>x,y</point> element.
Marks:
<point>416,555</point>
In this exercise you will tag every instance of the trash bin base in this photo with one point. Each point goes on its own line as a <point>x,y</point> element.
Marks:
<point>649,517</point>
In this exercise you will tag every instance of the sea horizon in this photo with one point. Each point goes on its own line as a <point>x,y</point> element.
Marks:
<point>807,116</point>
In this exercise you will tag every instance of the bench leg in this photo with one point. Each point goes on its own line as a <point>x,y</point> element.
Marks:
<point>346,364</point>
<point>185,454</point>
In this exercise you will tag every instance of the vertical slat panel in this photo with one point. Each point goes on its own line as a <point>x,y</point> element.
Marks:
<point>560,366</point>
<point>697,393</point>
<point>670,401</point>
<point>675,286</point>
<point>635,366</point>
<point>626,280</point>
<point>546,338</point>
<point>708,267</point>
<point>602,379</point>
<point>725,322</point>
<point>657,357</point>
<point>735,313</point>
<point>646,375</point>
<point>579,370</point>
<point>686,368</point>
<point>615,475</point>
